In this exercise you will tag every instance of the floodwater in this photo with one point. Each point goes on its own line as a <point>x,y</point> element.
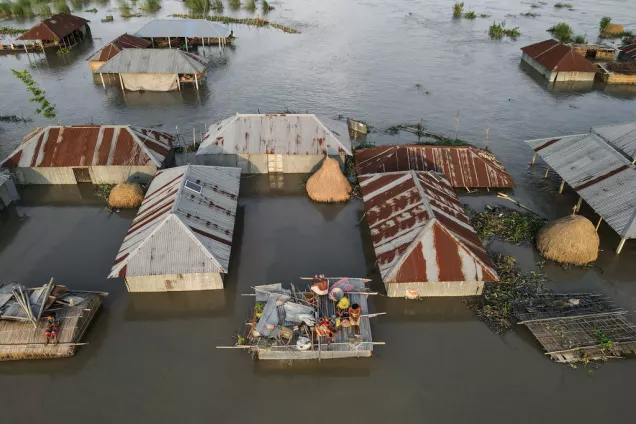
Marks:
<point>152,358</point>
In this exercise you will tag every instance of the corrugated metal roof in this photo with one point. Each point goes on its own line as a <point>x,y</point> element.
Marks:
<point>181,231</point>
<point>191,28</point>
<point>420,231</point>
<point>629,50</point>
<point>602,176</point>
<point>120,43</point>
<point>154,61</point>
<point>463,166</point>
<point>558,57</point>
<point>283,134</point>
<point>621,136</point>
<point>54,28</point>
<point>91,145</point>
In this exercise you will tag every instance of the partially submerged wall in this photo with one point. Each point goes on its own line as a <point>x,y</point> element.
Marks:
<point>98,174</point>
<point>435,289</point>
<point>174,282</point>
<point>258,164</point>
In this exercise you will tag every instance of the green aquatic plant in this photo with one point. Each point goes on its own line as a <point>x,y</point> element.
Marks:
<point>484,15</point>
<point>470,15</point>
<point>42,9</point>
<point>217,6</point>
<point>234,4</point>
<point>458,9</point>
<point>529,15</point>
<point>63,51</point>
<point>499,31</point>
<point>46,108</point>
<point>125,10</point>
<point>201,6</point>
<point>60,6</point>
<point>606,343</point>
<point>151,5</point>
<point>5,30</point>
<point>563,6</point>
<point>506,224</point>
<point>562,32</point>
<point>580,39</point>
<point>103,191</point>
<point>250,5</point>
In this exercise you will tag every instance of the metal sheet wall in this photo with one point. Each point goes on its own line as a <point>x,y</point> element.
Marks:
<point>436,289</point>
<point>175,282</point>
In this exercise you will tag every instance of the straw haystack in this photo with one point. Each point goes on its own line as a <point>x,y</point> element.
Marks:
<point>126,195</point>
<point>614,29</point>
<point>572,239</point>
<point>329,184</point>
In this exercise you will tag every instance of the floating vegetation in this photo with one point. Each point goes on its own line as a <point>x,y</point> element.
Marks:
<point>529,15</point>
<point>580,39</point>
<point>93,10</point>
<point>151,6</point>
<point>470,15</point>
<point>506,224</point>
<point>484,16</point>
<point>605,21</point>
<point>494,307</point>
<point>103,191</point>
<point>258,22</point>
<point>46,109</point>
<point>563,6</point>
<point>201,6</point>
<point>420,131</point>
<point>458,9</point>
<point>499,31</point>
<point>217,6</point>
<point>13,118</point>
<point>63,51</point>
<point>5,30</point>
<point>250,5</point>
<point>60,6</point>
<point>234,4</point>
<point>23,10</point>
<point>562,32</point>
<point>266,7</point>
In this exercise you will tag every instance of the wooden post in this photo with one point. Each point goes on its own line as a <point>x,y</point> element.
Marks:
<point>102,77</point>
<point>487,133</point>
<point>534,157</point>
<point>196,81</point>
<point>178,83</point>
<point>194,138</point>
<point>562,185</point>
<point>152,40</point>
<point>620,246</point>
<point>169,44</point>
<point>546,173</point>
<point>74,40</point>
<point>578,204</point>
<point>599,223</point>
<point>121,80</point>
<point>457,128</point>
<point>203,41</point>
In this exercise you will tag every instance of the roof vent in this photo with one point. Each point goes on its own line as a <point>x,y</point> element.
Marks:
<point>193,187</point>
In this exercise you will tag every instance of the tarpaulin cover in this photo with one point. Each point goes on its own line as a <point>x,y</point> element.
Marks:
<point>150,82</point>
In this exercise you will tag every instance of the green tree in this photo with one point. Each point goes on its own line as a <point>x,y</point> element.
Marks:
<point>46,109</point>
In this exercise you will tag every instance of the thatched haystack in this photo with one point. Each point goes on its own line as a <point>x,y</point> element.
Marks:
<point>572,239</point>
<point>614,29</point>
<point>126,195</point>
<point>329,184</point>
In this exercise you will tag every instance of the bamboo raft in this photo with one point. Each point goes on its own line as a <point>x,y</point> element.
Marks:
<point>23,320</point>
<point>282,341</point>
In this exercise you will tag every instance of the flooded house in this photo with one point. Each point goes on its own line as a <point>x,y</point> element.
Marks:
<point>628,52</point>
<point>110,50</point>
<point>599,166</point>
<point>425,244</point>
<point>185,32</point>
<point>275,143</point>
<point>181,238</point>
<point>60,30</point>
<point>558,62</point>
<point>98,154</point>
<point>463,166</point>
<point>155,69</point>
<point>618,73</point>
<point>44,322</point>
<point>596,52</point>
<point>8,192</point>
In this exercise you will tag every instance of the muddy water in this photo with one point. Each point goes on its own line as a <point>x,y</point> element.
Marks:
<point>151,358</point>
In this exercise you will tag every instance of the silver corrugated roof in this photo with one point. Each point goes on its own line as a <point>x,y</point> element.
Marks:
<point>284,134</point>
<point>181,231</point>
<point>190,28</point>
<point>154,61</point>
<point>602,176</point>
<point>621,136</point>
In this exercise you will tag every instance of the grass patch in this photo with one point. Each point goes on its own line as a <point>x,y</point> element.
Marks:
<point>257,22</point>
<point>562,32</point>
<point>470,15</point>
<point>499,31</point>
<point>529,15</point>
<point>151,5</point>
<point>458,9</point>
<point>494,307</point>
<point>200,6</point>
<point>506,224</point>
<point>5,30</point>
<point>250,5</point>
<point>563,6</point>
<point>234,4</point>
<point>103,191</point>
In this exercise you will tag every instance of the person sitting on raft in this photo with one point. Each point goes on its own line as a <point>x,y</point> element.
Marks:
<point>52,325</point>
<point>354,318</point>
<point>342,313</point>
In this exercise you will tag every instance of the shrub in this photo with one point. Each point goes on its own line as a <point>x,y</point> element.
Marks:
<point>217,6</point>
<point>5,10</point>
<point>605,21</point>
<point>458,9</point>
<point>151,5</point>
<point>43,9</point>
<point>562,32</point>
<point>563,6</point>
<point>470,15</point>
<point>580,39</point>
<point>125,9</point>
<point>266,7</point>
<point>251,5</point>
<point>499,31</point>
<point>200,6</point>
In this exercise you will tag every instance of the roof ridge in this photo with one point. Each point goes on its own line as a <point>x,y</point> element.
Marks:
<point>420,190</point>
<point>184,177</point>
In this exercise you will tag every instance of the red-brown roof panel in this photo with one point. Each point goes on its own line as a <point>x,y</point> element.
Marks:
<point>54,28</point>
<point>558,57</point>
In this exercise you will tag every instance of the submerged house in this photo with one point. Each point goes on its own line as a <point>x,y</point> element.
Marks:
<point>558,62</point>
<point>98,154</point>
<point>462,166</point>
<point>111,49</point>
<point>275,143</point>
<point>628,52</point>
<point>424,242</point>
<point>8,192</point>
<point>599,52</point>
<point>181,238</point>
<point>191,32</point>
<point>155,70</point>
<point>61,30</point>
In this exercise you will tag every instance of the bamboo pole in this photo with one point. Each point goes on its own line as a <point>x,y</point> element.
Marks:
<point>196,81</point>
<point>487,135</point>
<point>121,80</point>
<point>599,223</point>
<point>546,173</point>
<point>169,44</point>
<point>102,77</point>
<point>578,205</point>
<point>45,298</point>
<point>620,246</point>
<point>534,158</point>
<point>561,187</point>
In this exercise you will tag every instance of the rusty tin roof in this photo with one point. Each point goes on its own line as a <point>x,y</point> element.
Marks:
<point>629,50</point>
<point>54,28</point>
<point>558,57</point>
<point>463,166</point>
<point>420,231</point>
<point>601,175</point>
<point>283,134</point>
<point>91,145</point>
<point>184,225</point>
<point>110,50</point>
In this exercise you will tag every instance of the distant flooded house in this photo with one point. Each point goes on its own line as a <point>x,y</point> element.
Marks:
<point>599,52</point>
<point>8,192</point>
<point>275,143</point>
<point>173,33</point>
<point>110,50</point>
<point>627,52</point>
<point>618,73</point>
<point>95,154</point>
<point>462,166</point>
<point>60,30</point>
<point>424,242</point>
<point>155,70</point>
<point>181,238</point>
<point>558,62</point>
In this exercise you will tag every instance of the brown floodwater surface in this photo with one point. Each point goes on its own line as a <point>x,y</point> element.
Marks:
<point>151,358</point>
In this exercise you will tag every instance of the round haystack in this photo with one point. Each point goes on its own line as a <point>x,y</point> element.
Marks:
<point>329,184</point>
<point>571,239</point>
<point>126,195</point>
<point>614,29</point>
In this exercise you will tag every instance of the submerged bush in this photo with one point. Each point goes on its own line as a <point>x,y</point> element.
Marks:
<point>580,39</point>
<point>251,5</point>
<point>217,6</point>
<point>563,6</point>
<point>562,32</point>
<point>43,9</point>
<point>151,5</point>
<point>235,4</point>
<point>458,9</point>
<point>470,15</point>
<point>125,9</point>
<point>499,31</point>
<point>266,7</point>
<point>605,21</point>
